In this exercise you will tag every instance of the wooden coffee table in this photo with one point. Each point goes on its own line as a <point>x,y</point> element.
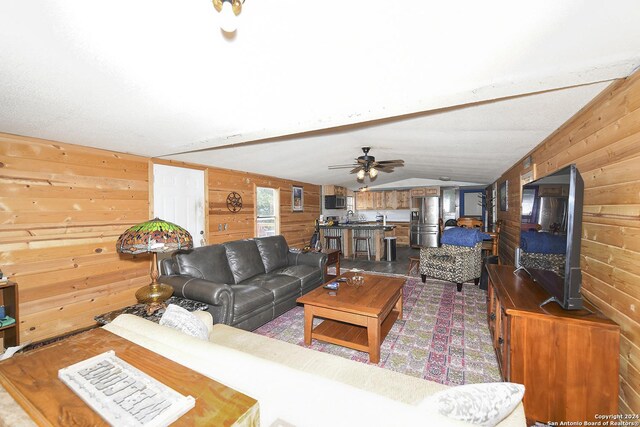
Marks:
<point>358,318</point>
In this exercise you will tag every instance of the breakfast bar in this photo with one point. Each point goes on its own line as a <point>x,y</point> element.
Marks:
<point>376,232</point>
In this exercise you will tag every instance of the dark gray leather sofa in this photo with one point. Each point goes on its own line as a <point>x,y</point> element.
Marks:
<point>246,283</point>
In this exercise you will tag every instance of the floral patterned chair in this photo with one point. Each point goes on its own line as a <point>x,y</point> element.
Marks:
<point>457,260</point>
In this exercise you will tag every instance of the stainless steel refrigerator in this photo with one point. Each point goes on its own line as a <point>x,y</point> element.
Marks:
<point>424,221</point>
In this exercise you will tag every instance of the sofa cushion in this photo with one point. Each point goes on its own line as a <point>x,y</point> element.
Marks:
<point>206,262</point>
<point>282,286</point>
<point>183,320</point>
<point>248,298</point>
<point>483,404</point>
<point>274,251</point>
<point>307,274</point>
<point>244,259</point>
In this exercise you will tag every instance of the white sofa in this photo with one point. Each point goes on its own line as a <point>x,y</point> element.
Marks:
<point>296,385</point>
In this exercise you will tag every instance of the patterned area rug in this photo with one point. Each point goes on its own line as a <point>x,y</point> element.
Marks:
<point>443,337</point>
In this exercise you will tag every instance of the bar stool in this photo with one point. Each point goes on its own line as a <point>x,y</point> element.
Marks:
<point>414,262</point>
<point>357,237</point>
<point>336,239</point>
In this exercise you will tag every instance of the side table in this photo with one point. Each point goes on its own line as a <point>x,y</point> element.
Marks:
<point>141,310</point>
<point>333,257</point>
<point>48,401</point>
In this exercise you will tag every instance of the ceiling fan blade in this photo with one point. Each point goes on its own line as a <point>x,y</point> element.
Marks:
<point>341,166</point>
<point>356,170</point>
<point>387,162</point>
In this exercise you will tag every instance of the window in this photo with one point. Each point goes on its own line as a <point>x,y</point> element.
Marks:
<point>350,206</point>
<point>267,212</point>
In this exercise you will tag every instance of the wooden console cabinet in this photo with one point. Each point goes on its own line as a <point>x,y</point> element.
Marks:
<point>9,335</point>
<point>567,360</point>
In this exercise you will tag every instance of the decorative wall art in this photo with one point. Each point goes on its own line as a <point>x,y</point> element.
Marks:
<point>234,202</point>
<point>503,192</point>
<point>297,199</point>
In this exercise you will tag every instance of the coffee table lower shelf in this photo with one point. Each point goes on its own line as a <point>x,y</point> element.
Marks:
<point>351,336</point>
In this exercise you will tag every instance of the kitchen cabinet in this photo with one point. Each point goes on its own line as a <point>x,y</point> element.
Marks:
<point>389,199</point>
<point>334,190</point>
<point>383,200</point>
<point>364,201</point>
<point>368,197</point>
<point>417,192</point>
<point>425,191</point>
<point>402,233</point>
<point>378,200</point>
<point>403,199</point>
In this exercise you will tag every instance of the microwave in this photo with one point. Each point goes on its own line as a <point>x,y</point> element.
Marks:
<point>335,202</point>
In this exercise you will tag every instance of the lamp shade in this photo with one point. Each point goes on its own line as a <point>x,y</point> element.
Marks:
<point>154,235</point>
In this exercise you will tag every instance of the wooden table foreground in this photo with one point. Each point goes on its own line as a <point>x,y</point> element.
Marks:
<point>32,380</point>
<point>357,318</point>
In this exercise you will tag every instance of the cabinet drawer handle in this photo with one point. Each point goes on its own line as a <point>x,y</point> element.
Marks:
<point>492,316</point>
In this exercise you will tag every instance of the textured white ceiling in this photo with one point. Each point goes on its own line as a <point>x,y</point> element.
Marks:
<point>158,78</point>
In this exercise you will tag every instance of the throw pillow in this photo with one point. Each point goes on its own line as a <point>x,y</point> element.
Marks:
<point>543,243</point>
<point>186,322</point>
<point>483,404</point>
<point>460,236</point>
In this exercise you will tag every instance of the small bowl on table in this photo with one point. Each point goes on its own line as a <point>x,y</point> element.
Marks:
<point>355,281</point>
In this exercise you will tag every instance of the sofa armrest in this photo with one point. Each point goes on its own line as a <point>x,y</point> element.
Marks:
<point>314,259</point>
<point>219,296</point>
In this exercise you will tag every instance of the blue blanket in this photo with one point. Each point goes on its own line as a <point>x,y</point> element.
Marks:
<point>460,236</point>
<point>543,243</point>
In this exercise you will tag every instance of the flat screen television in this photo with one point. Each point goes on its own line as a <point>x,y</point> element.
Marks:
<point>551,230</point>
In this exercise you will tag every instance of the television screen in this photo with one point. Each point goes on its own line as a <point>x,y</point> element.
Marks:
<point>551,227</point>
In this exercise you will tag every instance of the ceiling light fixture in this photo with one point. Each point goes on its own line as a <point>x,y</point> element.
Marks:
<point>229,11</point>
<point>371,171</point>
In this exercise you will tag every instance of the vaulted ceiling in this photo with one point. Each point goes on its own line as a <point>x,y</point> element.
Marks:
<point>461,89</point>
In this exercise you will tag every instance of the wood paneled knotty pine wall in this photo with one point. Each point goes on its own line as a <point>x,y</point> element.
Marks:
<point>296,227</point>
<point>62,208</point>
<point>603,140</point>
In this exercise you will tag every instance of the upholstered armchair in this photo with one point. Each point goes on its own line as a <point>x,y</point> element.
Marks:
<point>457,260</point>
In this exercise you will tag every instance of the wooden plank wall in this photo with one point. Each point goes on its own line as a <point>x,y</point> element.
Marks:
<point>603,140</point>
<point>296,227</point>
<point>62,208</point>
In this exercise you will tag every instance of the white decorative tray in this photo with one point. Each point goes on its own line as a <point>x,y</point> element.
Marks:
<point>122,394</point>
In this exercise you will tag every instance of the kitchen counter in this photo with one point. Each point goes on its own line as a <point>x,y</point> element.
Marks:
<point>376,232</point>
<point>387,227</point>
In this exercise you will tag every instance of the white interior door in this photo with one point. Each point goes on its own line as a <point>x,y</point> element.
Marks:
<point>178,197</point>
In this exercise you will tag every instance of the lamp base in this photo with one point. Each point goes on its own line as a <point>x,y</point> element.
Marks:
<point>154,293</point>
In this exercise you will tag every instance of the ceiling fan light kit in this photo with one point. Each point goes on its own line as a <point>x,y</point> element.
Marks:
<point>367,165</point>
<point>229,11</point>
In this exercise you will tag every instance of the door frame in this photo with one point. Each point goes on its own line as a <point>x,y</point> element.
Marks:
<point>156,161</point>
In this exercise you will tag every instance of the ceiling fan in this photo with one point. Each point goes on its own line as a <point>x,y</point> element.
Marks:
<point>367,164</point>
